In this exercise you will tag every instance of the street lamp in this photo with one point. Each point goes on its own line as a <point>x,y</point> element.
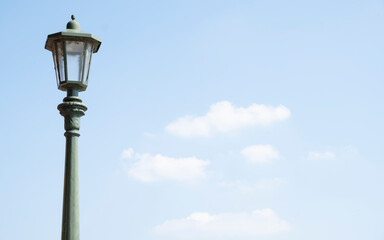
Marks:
<point>72,51</point>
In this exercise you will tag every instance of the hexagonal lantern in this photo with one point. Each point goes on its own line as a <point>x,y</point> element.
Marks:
<point>72,51</point>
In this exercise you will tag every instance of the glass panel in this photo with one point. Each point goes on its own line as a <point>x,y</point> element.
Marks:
<point>54,53</point>
<point>75,60</point>
<point>87,61</point>
<point>60,62</point>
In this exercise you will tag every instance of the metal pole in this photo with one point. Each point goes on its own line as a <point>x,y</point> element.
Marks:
<point>71,109</point>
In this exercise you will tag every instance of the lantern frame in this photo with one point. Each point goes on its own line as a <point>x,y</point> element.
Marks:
<point>57,44</point>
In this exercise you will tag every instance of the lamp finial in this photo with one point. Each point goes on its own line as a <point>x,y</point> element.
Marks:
<point>73,25</point>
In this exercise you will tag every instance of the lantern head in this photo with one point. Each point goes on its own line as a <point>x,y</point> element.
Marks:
<point>72,52</point>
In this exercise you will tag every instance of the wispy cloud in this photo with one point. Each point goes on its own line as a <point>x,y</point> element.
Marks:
<point>151,168</point>
<point>238,225</point>
<point>263,185</point>
<point>321,156</point>
<point>260,154</point>
<point>223,117</point>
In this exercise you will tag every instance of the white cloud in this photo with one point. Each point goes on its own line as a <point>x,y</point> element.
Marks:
<point>151,168</point>
<point>260,154</point>
<point>127,153</point>
<point>262,185</point>
<point>238,225</point>
<point>321,156</point>
<point>223,117</point>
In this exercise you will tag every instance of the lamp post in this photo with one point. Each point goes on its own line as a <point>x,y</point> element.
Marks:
<point>72,51</point>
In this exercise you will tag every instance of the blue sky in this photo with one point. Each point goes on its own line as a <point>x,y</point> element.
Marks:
<point>207,120</point>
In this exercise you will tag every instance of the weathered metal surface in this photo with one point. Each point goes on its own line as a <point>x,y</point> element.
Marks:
<point>73,32</point>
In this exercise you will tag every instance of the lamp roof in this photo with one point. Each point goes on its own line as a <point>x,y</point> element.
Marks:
<point>74,33</point>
